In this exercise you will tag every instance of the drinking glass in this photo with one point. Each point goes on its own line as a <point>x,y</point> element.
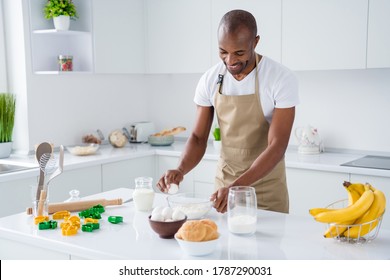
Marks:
<point>40,204</point>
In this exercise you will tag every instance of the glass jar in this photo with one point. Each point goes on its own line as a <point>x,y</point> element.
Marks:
<point>65,63</point>
<point>242,210</point>
<point>143,194</point>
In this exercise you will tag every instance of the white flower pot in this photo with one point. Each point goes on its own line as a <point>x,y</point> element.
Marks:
<point>5,149</point>
<point>217,146</point>
<point>61,22</point>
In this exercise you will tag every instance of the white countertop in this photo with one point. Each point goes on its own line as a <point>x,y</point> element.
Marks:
<point>328,161</point>
<point>278,237</point>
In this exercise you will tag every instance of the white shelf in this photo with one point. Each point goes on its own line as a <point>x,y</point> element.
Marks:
<point>61,72</point>
<point>60,32</point>
<point>48,43</point>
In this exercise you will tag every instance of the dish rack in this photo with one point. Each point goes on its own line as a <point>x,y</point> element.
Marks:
<point>343,230</point>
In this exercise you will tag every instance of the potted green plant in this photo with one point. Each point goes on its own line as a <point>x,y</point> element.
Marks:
<point>61,11</point>
<point>7,119</point>
<point>217,139</point>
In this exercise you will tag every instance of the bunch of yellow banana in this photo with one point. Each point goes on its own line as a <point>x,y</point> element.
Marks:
<point>365,204</point>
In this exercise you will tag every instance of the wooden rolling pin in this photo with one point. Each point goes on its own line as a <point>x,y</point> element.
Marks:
<point>78,205</point>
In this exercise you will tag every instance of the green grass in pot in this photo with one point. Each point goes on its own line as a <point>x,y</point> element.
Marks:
<point>55,8</point>
<point>7,116</point>
<point>217,134</point>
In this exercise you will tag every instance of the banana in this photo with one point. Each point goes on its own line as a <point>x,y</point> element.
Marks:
<point>353,196</point>
<point>315,211</point>
<point>338,229</point>
<point>350,212</point>
<point>376,210</point>
<point>354,187</point>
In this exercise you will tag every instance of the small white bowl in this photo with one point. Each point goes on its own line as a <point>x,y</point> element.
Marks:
<point>83,149</point>
<point>197,249</point>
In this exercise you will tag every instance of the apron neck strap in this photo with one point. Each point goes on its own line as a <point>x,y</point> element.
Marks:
<point>222,75</point>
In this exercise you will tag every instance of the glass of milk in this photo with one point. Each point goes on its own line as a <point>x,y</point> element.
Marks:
<point>143,194</point>
<point>242,210</point>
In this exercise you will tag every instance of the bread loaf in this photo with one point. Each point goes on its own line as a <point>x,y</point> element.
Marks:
<point>172,131</point>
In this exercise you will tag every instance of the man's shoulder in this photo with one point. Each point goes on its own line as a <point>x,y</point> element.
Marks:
<point>272,69</point>
<point>271,64</point>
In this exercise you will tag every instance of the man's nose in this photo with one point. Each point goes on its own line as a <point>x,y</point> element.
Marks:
<point>230,59</point>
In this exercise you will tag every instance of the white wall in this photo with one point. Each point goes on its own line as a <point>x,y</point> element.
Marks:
<point>350,108</point>
<point>62,108</point>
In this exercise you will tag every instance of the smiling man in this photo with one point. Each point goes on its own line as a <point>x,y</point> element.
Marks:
<point>254,99</point>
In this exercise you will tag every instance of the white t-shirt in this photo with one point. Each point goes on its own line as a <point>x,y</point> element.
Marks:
<point>278,86</point>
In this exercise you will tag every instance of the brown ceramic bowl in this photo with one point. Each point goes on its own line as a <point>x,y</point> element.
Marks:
<point>166,230</point>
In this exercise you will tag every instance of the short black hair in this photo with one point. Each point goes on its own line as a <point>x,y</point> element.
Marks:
<point>235,19</point>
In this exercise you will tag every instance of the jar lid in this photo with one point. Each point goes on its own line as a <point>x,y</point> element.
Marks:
<point>65,57</point>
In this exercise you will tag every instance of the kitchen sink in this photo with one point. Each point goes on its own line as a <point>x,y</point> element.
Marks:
<point>8,167</point>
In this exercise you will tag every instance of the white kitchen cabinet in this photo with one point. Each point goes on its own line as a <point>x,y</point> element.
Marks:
<point>15,250</point>
<point>165,163</point>
<point>121,174</point>
<point>309,189</point>
<point>204,177</point>
<point>87,180</point>
<point>179,36</point>
<point>319,34</point>
<point>47,43</point>
<point>378,45</point>
<point>268,14</point>
<point>119,36</point>
<point>381,183</point>
<point>200,180</point>
<point>15,196</point>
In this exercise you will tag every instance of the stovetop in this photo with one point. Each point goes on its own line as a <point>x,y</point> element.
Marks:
<point>376,162</point>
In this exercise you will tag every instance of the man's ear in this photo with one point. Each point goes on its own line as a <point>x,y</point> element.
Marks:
<point>257,39</point>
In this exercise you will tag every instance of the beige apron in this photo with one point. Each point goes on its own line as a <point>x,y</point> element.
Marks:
<point>244,135</point>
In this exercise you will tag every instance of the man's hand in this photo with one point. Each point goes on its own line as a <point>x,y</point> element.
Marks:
<point>220,199</point>
<point>174,176</point>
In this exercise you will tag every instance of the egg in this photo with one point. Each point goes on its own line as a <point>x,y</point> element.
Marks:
<point>167,213</point>
<point>157,210</point>
<point>157,217</point>
<point>173,188</point>
<point>178,215</point>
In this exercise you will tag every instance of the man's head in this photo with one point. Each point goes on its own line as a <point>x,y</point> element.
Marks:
<point>237,39</point>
